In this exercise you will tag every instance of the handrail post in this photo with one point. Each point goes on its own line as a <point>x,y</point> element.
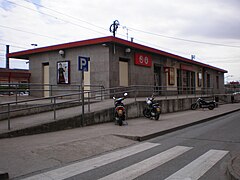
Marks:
<point>166,93</point>
<point>51,91</point>
<point>177,93</point>
<point>54,107</point>
<point>82,93</point>
<point>16,91</point>
<point>101,94</point>
<point>135,89</point>
<point>9,126</point>
<point>88,102</point>
<point>79,91</point>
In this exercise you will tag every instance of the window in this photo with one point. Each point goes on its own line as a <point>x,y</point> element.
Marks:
<point>199,79</point>
<point>208,80</point>
<point>217,81</point>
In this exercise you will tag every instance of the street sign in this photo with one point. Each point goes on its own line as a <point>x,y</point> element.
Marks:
<point>83,63</point>
<point>82,66</point>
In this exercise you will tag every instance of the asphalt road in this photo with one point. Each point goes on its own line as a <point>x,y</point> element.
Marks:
<point>220,134</point>
<point>198,152</point>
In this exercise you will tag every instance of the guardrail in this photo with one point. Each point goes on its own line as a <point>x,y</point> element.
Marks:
<point>52,102</point>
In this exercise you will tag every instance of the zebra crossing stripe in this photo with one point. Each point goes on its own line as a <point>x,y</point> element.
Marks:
<point>198,167</point>
<point>146,165</point>
<point>80,167</point>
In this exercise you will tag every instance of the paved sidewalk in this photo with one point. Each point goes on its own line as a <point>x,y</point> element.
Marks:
<point>31,154</point>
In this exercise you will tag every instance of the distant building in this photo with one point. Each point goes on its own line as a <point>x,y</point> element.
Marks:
<point>14,76</point>
<point>116,62</point>
<point>232,87</point>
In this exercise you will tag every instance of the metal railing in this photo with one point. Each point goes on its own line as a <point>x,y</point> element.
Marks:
<point>39,90</point>
<point>90,96</point>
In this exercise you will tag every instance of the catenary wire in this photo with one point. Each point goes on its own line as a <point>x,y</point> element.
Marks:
<point>181,39</point>
<point>29,32</point>
<point>66,15</point>
<point>56,18</point>
<point>13,46</point>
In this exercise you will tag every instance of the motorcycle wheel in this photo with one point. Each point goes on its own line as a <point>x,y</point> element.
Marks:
<point>194,106</point>
<point>120,122</point>
<point>157,117</point>
<point>115,119</point>
<point>145,113</point>
<point>211,107</point>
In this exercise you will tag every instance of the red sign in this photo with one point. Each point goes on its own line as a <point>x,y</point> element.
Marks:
<point>143,60</point>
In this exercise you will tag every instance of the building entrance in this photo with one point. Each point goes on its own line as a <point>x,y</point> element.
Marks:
<point>157,79</point>
<point>123,73</point>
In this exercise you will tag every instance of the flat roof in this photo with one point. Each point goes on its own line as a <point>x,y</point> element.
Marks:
<point>109,39</point>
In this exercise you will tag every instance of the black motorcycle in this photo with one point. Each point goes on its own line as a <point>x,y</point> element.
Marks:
<point>120,111</point>
<point>203,104</point>
<point>152,109</point>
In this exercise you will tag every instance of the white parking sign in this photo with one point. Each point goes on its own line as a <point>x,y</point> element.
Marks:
<point>83,63</point>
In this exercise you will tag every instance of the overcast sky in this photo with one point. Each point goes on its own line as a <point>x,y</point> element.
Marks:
<point>208,29</point>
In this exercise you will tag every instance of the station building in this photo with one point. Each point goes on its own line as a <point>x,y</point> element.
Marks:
<point>115,62</point>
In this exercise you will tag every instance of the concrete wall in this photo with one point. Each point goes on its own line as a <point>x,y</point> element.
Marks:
<point>138,75</point>
<point>135,73</point>
<point>213,80</point>
<point>134,110</point>
<point>99,65</point>
<point>197,69</point>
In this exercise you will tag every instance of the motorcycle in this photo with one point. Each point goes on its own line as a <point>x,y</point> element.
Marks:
<point>152,109</point>
<point>120,111</point>
<point>203,104</point>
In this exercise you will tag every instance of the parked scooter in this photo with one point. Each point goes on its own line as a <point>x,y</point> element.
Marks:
<point>120,111</point>
<point>152,109</point>
<point>203,104</point>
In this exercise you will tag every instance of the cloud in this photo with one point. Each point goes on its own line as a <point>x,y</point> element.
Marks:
<point>216,21</point>
<point>212,19</point>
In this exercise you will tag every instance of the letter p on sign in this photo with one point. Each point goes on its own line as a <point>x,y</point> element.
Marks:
<point>83,63</point>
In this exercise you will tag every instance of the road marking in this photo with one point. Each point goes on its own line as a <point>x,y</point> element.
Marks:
<point>146,165</point>
<point>198,167</point>
<point>80,167</point>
